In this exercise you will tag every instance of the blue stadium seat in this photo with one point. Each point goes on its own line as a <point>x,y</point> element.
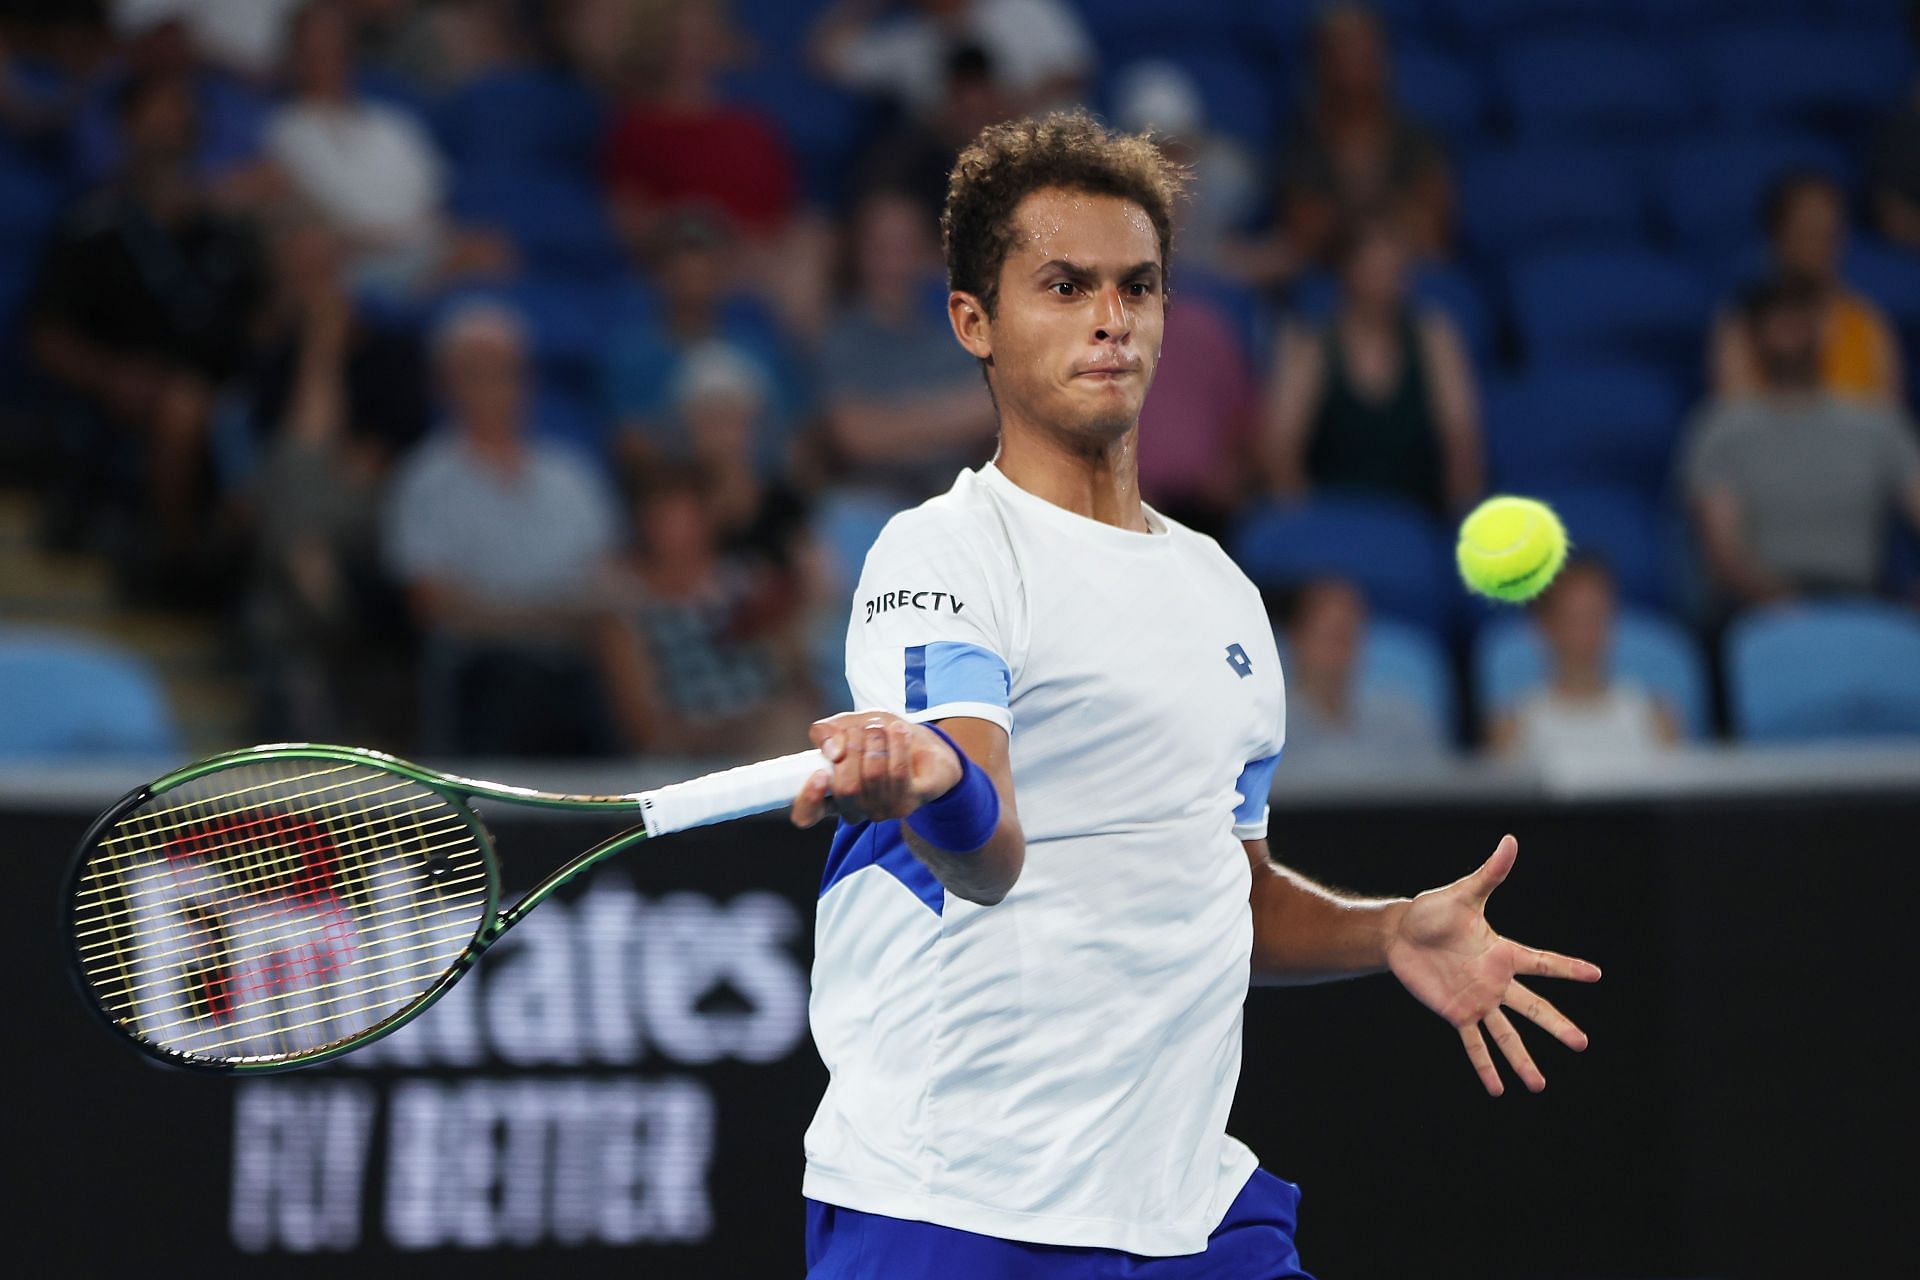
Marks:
<point>1667,19</point>
<point>1526,198</point>
<point>1407,661</point>
<point>1246,312</point>
<point>1510,662</point>
<point>1594,87</point>
<point>779,24</point>
<point>1289,24</point>
<point>1605,424</point>
<point>569,320</point>
<point>1582,306</point>
<point>1710,190</point>
<point>1395,553</point>
<point>1243,99</point>
<point>1128,29</point>
<point>1810,72</point>
<point>1439,91</point>
<point>29,203</point>
<point>1825,671</point>
<point>565,416</point>
<point>1621,527</point>
<point>70,696</point>
<point>848,523</point>
<point>1479,21</point>
<point>523,121</point>
<point>1901,576</point>
<point>559,224</point>
<point>1411,661</point>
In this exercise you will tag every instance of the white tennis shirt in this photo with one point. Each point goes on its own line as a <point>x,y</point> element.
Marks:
<point>1056,1068</point>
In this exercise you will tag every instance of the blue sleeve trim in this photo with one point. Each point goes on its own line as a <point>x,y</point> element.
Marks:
<point>951,671</point>
<point>1256,780</point>
<point>857,845</point>
<point>917,677</point>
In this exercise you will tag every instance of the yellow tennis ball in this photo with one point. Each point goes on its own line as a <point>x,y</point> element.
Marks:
<point>1510,548</point>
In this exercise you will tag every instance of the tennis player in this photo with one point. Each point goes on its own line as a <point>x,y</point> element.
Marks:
<point>1051,880</point>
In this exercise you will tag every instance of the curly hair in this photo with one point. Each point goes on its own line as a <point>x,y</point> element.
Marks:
<point>1069,150</point>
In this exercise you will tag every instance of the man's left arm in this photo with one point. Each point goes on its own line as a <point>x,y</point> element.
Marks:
<point>1437,944</point>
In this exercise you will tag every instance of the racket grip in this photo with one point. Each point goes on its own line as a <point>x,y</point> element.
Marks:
<point>731,793</point>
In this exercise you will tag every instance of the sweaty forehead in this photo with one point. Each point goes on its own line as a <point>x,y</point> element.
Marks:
<point>1082,227</point>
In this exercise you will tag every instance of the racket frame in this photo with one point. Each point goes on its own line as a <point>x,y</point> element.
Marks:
<point>457,791</point>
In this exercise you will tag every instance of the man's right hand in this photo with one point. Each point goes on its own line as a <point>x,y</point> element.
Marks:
<point>881,766</point>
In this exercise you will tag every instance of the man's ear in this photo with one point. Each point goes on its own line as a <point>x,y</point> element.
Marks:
<point>971,324</point>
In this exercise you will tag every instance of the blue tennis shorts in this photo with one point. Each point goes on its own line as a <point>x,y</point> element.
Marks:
<point>1253,1242</point>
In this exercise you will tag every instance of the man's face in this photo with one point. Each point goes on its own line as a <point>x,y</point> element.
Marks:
<point>323,52</point>
<point>676,526</point>
<point>483,377</point>
<point>1075,335</point>
<point>1787,343</point>
<point>1376,275</point>
<point>161,127</point>
<point>894,244</point>
<point>692,276</point>
<point>1577,619</point>
<point>1812,236</point>
<point>1325,638</point>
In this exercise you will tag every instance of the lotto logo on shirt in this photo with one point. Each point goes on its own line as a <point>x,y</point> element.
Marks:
<point>887,601</point>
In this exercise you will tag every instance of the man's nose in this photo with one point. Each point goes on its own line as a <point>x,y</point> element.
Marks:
<point>1113,317</point>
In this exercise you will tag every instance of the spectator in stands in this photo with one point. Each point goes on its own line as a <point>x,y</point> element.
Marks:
<point>720,394</point>
<point>916,154</point>
<point>248,37</point>
<point>435,47</point>
<point>1805,217</point>
<point>504,545</point>
<point>1335,723</point>
<point>1038,50</point>
<point>44,61</point>
<point>905,406</point>
<point>1379,400</point>
<point>369,168</point>
<point>1793,487</point>
<point>382,368</point>
<point>1351,151</point>
<point>1223,196</point>
<point>713,662</point>
<point>644,361</point>
<point>1196,427</point>
<point>335,402</point>
<point>145,303</point>
<point>678,143</point>
<point>230,113</point>
<point>1582,713</point>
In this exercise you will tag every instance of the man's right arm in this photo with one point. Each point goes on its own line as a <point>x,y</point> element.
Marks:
<point>883,766</point>
<point>1749,581</point>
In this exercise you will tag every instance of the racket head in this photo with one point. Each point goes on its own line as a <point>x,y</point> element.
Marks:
<point>279,906</point>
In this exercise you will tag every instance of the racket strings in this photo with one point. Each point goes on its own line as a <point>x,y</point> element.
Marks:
<point>210,872</point>
<point>461,908</point>
<point>277,908</point>
<point>370,835</point>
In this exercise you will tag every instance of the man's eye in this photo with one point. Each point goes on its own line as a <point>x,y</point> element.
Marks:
<point>1058,285</point>
<point>1141,288</point>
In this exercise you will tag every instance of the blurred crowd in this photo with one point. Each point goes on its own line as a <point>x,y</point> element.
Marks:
<point>528,378</point>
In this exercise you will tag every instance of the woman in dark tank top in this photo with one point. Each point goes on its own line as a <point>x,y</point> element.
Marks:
<point>1379,400</point>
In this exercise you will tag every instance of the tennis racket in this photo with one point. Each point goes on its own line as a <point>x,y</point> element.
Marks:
<point>282,905</point>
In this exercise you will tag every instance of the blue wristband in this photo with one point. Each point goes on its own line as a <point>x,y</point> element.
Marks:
<point>964,819</point>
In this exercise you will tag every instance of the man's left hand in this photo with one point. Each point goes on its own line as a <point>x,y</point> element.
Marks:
<point>1443,950</point>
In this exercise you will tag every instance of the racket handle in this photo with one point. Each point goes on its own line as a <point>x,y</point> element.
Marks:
<point>731,793</point>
